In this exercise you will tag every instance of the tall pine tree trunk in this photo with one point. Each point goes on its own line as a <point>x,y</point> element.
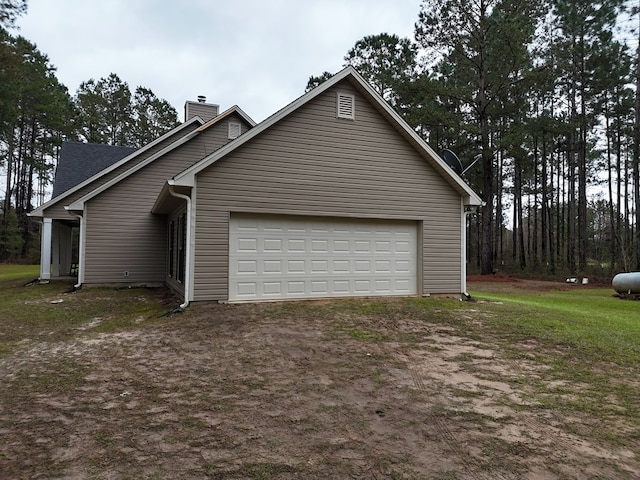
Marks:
<point>486,254</point>
<point>636,160</point>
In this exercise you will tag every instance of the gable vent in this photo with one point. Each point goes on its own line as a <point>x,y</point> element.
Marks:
<point>346,106</point>
<point>234,130</point>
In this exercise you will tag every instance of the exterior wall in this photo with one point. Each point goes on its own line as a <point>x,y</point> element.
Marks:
<point>57,210</point>
<point>311,163</point>
<point>122,235</point>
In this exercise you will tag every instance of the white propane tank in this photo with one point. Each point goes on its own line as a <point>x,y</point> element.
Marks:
<point>627,283</point>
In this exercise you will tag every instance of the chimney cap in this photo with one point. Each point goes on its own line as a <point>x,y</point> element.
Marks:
<point>202,99</point>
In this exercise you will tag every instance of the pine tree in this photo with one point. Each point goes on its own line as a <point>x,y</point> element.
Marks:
<point>34,118</point>
<point>480,50</point>
<point>152,117</point>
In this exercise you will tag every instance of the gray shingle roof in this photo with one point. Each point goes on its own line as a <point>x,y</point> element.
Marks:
<point>80,161</point>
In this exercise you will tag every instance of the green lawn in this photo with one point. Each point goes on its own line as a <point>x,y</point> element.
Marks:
<point>593,321</point>
<point>9,272</point>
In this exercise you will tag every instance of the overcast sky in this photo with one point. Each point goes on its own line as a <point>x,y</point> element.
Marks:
<point>257,54</point>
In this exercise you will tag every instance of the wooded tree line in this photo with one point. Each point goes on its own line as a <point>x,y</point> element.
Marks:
<point>37,113</point>
<point>545,94</point>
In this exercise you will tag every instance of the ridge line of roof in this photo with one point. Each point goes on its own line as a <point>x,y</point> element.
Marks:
<point>37,212</point>
<point>226,113</point>
<point>79,203</point>
<point>266,123</point>
<point>187,176</point>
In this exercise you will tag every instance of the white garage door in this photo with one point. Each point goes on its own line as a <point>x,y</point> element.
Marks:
<point>275,257</point>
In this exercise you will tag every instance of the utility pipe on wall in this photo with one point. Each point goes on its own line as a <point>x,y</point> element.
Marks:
<point>187,266</point>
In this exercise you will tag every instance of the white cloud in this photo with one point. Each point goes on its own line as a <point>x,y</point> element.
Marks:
<point>256,54</point>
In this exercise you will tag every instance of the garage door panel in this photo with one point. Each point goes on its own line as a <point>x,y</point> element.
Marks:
<point>340,246</point>
<point>272,288</point>
<point>247,245</point>
<point>273,245</point>
<point>274,257</point>
<point>320,287</point>
<point>319,266</point>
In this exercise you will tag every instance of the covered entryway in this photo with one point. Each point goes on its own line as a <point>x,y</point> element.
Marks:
<point>58,248</point>
<point>284,257</point>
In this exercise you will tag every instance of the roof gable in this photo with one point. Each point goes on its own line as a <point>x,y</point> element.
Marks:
<point>187,177</point>
<point>187,127</point>
<point>229,112</point>
<point>216,128</point>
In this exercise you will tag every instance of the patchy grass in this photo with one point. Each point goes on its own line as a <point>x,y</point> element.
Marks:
<point>518,384</point>
<point>54,312</point>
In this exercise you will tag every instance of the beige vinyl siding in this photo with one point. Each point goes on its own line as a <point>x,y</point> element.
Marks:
<point>311,163</point>
<point>212,259</point>
<point>218,134</point>
<point>121,232</point>
<point>57,210</point>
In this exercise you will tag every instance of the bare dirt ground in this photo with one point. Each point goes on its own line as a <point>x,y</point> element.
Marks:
<point>310,390</point>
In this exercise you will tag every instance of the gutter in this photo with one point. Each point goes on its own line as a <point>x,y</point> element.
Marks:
<point>187,254</point>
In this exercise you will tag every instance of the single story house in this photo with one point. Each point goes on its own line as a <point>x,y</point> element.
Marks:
<point>333,195</point>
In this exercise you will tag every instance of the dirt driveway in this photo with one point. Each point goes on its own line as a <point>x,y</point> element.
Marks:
<point>366,389</point>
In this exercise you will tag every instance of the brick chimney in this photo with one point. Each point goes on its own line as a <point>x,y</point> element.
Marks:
<point>206,111</point>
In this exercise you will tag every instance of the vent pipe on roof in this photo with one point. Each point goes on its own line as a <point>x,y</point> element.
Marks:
<point>202,99</point>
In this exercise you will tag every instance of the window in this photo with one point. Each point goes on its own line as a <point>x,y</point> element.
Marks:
<point>177,239</point>
<point>345,107</point>
<point>172,248</point>
<point>182,241</point>
<point>235,129</point>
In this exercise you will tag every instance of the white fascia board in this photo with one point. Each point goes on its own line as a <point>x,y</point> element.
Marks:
<point>471,197</point>
<point>79,204</point>
<point>240,112</point>
<point>162,196</point>
<point>226,113</point>
<point>244,115</point>
<point>39,212</point>
<point>187,177</point>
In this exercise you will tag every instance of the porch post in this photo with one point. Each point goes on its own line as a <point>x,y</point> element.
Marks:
<point>55,249</point>
<point>45,250</point>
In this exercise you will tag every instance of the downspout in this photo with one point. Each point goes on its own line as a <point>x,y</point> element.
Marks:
<point>80,250</point>
<point>465,212</point>
<point>187,253</point>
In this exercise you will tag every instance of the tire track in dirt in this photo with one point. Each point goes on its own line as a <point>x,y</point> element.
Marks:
<point>469,465</point>
<point>572,445</point>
